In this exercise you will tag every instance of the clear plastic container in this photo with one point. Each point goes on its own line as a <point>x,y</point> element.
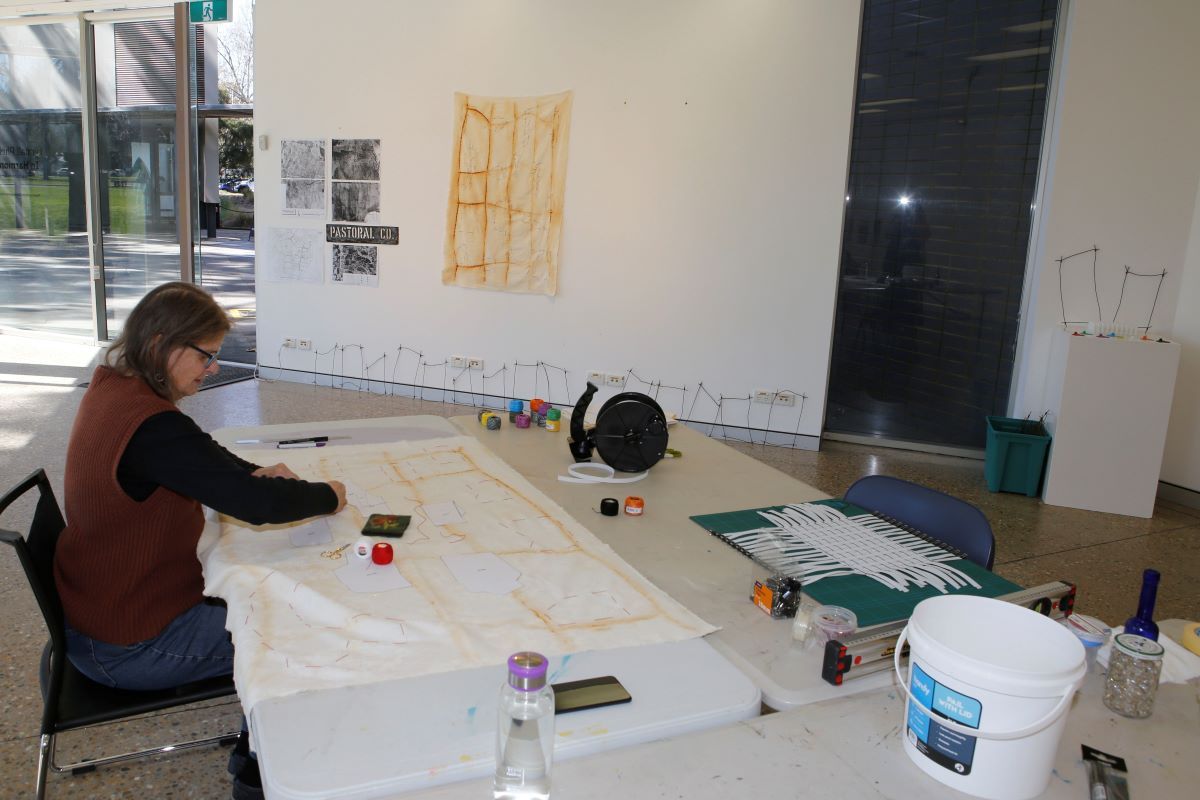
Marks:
<point>1133,670</point>
<point>830,622</point>
<point>524,731</point>
<point>1092,634</point>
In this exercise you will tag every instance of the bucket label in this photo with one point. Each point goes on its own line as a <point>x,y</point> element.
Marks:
<point>941,745</point>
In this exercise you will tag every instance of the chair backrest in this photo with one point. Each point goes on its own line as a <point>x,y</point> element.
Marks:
<point>948,519</point>
<point>36,554</point>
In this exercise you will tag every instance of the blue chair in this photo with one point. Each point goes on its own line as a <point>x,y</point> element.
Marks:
<point>948,519</point>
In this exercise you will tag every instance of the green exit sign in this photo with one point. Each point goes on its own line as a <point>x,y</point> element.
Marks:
<point>209,11</point>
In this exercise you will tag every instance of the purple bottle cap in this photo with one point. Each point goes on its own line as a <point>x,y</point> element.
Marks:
<point>527,671</point>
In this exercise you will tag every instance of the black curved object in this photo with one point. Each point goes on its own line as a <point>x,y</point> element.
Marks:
<point>630,433</point>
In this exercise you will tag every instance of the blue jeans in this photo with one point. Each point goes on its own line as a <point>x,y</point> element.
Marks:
<point>193,646</point>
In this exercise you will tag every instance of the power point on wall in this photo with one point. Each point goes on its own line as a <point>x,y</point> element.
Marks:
<point>458,362</point>
<point>616,380</point>
<point>763,396</point>
<point>597,377</point>
<point>475,363</point>
<point>304,344</point>
<point>289,342</point>
<point>263,141</point>
<point>785,399</point>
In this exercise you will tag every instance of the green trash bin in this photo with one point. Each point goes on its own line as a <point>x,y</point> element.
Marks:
<point>1015,457</point>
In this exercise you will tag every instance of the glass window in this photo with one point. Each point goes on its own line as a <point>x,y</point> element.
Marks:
<point>44,277</point>
<point>943,170</point>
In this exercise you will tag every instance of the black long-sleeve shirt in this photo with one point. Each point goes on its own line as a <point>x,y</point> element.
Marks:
<point>170,450</point>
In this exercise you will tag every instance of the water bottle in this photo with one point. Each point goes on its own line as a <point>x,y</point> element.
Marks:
<point>524,731</point>
<point>1143,622</point>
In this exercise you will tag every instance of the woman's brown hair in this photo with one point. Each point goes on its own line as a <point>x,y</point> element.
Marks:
<point>169,316</point>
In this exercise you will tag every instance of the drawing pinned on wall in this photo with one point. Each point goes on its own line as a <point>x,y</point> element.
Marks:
<point>356,159</point>
<point>507,182</point>
<point>356,202</point>
<point>302,176</point>
<point>295,254</point>
<point>355,265</point>
<point>356,173</point>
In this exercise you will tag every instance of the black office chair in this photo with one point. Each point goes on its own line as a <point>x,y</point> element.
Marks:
<point>948,519</point>
<point>70,700</point>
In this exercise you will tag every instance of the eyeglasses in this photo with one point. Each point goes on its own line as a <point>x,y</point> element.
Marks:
<point>210,356</point>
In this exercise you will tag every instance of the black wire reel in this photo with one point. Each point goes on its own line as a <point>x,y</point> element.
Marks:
<point>630,433</point>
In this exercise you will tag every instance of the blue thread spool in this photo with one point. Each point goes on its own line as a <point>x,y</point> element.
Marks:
<point>515,407</point>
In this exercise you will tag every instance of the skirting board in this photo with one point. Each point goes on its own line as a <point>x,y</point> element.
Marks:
<point>1179,494</point>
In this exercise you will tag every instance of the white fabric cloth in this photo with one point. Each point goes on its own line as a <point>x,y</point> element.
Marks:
<point>301,621</point>
<point>1179,665</point>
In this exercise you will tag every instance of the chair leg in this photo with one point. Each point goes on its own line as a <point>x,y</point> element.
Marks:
<point>88,765</point>
<point>45,758</point>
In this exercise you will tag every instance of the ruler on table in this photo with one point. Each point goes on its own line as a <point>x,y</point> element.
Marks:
<point>871,649</point>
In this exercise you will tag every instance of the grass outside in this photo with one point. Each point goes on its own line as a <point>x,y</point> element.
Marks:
<point>46,205</point>
<point>237,210</point>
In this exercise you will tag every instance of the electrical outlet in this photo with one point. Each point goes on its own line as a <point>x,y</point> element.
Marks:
<point>763,396</point>
<point>785,399</point>
<point>615,380</point>
<point>289,342</point>
<point>304,344</point>
<point>458,362</point>
<point>475,363</point>
<point>597,377</point>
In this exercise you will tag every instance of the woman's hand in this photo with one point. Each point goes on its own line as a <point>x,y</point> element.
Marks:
<point>340,490</point>
<point>275,471</point>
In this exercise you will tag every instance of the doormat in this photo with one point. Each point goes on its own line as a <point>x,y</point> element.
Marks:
<point>227,375</point>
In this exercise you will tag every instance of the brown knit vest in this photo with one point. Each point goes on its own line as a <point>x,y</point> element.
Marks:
<point>124,569</point>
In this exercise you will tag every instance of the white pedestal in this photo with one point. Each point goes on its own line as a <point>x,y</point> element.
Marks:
<point>1111,402</point>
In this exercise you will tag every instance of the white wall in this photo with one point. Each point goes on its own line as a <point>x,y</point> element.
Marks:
<point>704,192</point>
<point>1123,176</point>
<point>1181,463</point>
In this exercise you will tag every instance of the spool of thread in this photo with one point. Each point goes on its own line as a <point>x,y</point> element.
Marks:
<point>634,506</point>
<point>515,407</point>
<point>484,416</point>
<point>493,423</point>
<point>479,415</point>
<point>609,506</point>
<point>363,551</point>
<point>553,420</point>
<point>381,553</point>
<point>522,420</point>
<point>535,405</point>
<point>541,419</point>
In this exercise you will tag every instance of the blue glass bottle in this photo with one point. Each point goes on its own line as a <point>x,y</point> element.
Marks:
<point>1143,622</point>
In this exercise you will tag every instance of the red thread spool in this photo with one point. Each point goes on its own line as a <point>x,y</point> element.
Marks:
<point>381,553</point>
<point>634,506</point>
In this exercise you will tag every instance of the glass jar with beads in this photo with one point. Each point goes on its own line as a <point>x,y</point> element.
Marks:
<point>1133,670</point>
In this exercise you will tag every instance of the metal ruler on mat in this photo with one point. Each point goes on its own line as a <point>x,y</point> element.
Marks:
<point>871,649</point>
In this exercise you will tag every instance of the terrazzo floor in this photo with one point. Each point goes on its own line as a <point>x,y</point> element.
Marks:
<point>1103,554</point>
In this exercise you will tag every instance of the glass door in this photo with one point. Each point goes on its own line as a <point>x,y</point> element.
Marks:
<point>89,146</point>
<point>138,157</point>
<point>45,283</point>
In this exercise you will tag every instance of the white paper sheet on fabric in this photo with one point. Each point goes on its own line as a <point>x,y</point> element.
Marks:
<point>517,572</point>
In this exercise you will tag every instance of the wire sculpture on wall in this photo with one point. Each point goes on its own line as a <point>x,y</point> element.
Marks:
<point>1095,251</point>
<point>1162,276</point>
<point>424,381</point>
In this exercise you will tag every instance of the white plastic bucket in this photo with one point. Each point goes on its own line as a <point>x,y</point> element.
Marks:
<point>999,679</point>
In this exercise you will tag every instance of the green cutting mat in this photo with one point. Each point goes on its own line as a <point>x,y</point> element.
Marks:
<point>870,600</point>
